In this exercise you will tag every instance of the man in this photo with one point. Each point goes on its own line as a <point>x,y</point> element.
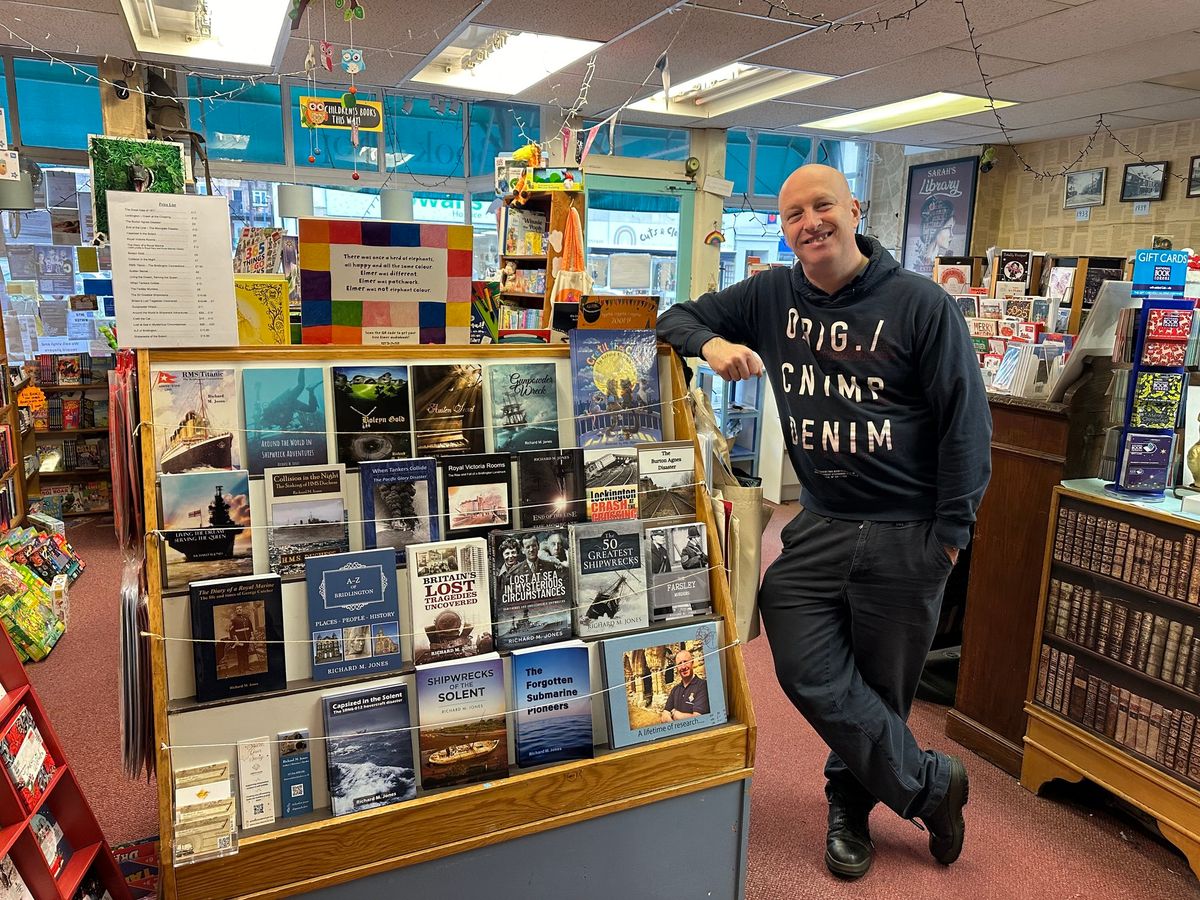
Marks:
<point>554,550</point>
<point>241,632</point>
<point>887,425</point>
<point>689,697</point>
<point>531,548</point>
<point>660,556</point>
<point>692,556</point>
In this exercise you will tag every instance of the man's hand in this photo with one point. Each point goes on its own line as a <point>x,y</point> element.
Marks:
<point>733,362</point>
<point>951,552</point>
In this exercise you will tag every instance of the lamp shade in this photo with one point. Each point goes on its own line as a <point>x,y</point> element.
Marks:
<point>295,201</point>
<point>17,194</point>
<point>395,206</point>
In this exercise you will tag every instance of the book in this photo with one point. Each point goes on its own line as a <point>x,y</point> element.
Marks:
<point>463,736</point>
<point>663,683</point>
<point>195,419</point>
<point>523,406</point>
<point>285,417</point>
<point>678,571</point>
<point>27,759</point>
<point>206,526</point>
<point>353,613</point>
<point>614,388</point>
<point>399,504</point>
<point>371,413</point>
<point>306,511</point>
<point>448,409</point>
<point>295,772</point>
<point>550,487</point>
<point>259,250</point>
<point>610,477</point>
<point>368,748</point>
<point>262,310</point>
<point>667,480</point>
<point>551,703</point>
<point>610,578</point>
<point>476,493</point>
<point>256,782</point>
<point>69,369</point>
<point>237,626</point>
<point>449,599</point>
<point>10,879</point>
<point>55,847</point>
<point>618,312</point>
<point>531,587</point>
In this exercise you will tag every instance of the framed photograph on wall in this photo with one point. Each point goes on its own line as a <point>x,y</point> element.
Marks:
<point>1194,177</point>
<point>939,210</point>
<point>1084,188</point>
<point>1143,181</point>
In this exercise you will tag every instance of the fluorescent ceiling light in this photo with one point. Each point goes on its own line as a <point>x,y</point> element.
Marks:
<point>728,88</point>
<point>495,61</point>
<point>234,33</point>
<point>917,111</point>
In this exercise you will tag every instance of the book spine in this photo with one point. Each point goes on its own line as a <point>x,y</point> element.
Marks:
<point>1142,654</point>
<point>1122,546</point>
<point>1091,689</point>
<point>1073,536</point>
<point>1131,550</point>
<point>1142,734</point>
<point>1174,552</point>
<point>1089,546</point>
<point>1185,655</point>
<point>1171,743</point>
<point>1133,629</point>
<point>1187,738</point>
<point>1053,594</point>
<point>1039,692</point>
<point>1105,630</point>
<point>1102,695</point>
<point>1063,613</point>
<point>1166,669</point>
<point>1093,630</point>
<point>1192,678</point>
<point>1077,702</point>
<point>1154,731</point>
<point>1076,609</point>
<point>1158,646</point>
<point>1111,711</point>
<point>1060,536</point>
<point>1160,564</point>
<point>1187,563</point>
<point>1121,735</point>
<point>1060,680</point>
<point>1117,638</point>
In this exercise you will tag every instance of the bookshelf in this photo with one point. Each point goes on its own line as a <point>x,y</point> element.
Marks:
<point>10,416</point>
<point>1114,688</point>
<point>550,207</point>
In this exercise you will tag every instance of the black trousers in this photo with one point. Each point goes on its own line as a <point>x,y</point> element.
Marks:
<point>850,609</point>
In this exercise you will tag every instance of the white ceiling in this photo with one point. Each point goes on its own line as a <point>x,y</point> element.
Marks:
<point>1065,61</point>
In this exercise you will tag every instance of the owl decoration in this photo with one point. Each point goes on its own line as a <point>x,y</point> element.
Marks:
<point>353,61</point>
<point>327,56</point>
<point>314,113</point>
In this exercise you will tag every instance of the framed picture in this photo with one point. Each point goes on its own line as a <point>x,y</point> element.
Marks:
<point>939,211</point>
<point>1084,188</point>
<point>1143,181</point>
<point>1194,177</point>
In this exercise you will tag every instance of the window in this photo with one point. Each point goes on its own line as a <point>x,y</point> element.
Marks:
<point>245,125</point>
<point>422,141</point>
<point>331,147</point>
<point>776,156</point>
<point>644,142</point>
<point>487,248</point>
<point>59,106</point>
<point>765,159</point>
<point>737,161</point>
<point>500,127</point>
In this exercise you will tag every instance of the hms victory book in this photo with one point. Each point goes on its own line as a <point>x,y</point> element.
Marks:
<point>552,703</point>
<point>285,417</point>
<point>399,504</point>
<point>206,526</point>
<point>449,598</point>
<point>306,509</point>
<point>463,736</point>
<point>524,406</point>
<point>448,409</point>
<point>195,419</point>
<point>371,413</point>
<point>368,748</point>
<point>353,613</point>
<point>615,388</point>
<point>531,587</point>
<point>610,578</point>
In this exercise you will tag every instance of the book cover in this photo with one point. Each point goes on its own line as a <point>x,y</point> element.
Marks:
<point>662,683</point>
<point>295,772</point>
<point>259,250</point>
<point>399,504</point>
<point>206,526</point>
<point>285,417</point>
<point>262,310</point>
<point>615,388</point>
<point>237,626</point>
<point>371,412</point>
<point>551,703</point>
<point>450,599</point>
<point>448,409</point>
<point>306,509</point>
<point>1157,396</point>
<point>531,587</point>
<point>368,748</point>
<point>55,847</point>
<point>678,571</point>
<point>523,406</point>
<point>667,480</point>
<point>463,735</point>
<point>550,487</point>
<point>477,493</point>
<point>27,759</point>
<point>611,479</point>
<point>618,312</point>
<point>610,578</point>
<point>353,613</point>
<point>69,369</point>
<point>195,419</point>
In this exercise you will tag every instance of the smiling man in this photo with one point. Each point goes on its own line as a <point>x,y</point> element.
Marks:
<point>887,425</point>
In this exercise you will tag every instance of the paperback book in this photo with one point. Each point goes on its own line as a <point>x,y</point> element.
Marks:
<point>615,388</point>
<point>368,748</point>
<point>399,504</point>
<point>262,310</point>
<point>371,412</point>
<point>610,578</point>
<point>448,409</point>
<point>550,487</point>
<point>552,704</point>
<point>27,759</point>
<point>55,847</point>
<point>206,526</point>
<point>531,587</point>
<point>523,407</point>
<point>306,509</point>
<point>285,417</point>
<point>618,312</point>
<point>678,571</point>
<point>450,600</point>
<point>12,882</point>
<point>353,613</point>
<point>667,480</point>
<point>237,626</point>
<point>477,493</point>
<point>611,479</point>
<point>463,735</point>
<point>195,419</point>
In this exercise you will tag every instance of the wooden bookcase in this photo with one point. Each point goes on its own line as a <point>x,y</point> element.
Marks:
<point>305,854</point>
<point>1080,303</point>
<point>1123,564</point>
<point>554,205</point>
<point>36,480</point>
<point>10,417</point>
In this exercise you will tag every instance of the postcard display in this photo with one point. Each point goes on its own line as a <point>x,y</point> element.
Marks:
<point>350,668</point>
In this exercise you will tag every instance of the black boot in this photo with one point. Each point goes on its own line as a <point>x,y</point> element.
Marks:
<point>945,824</point>
<point>848,848</point>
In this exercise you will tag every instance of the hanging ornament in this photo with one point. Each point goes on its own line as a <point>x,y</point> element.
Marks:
<point>327,56</point>
<point>353,61</point>
<point>351,9</point>
<point>354,132</point>
<point>310,60</point>
<point>314,113</point>
<point>348,101</point>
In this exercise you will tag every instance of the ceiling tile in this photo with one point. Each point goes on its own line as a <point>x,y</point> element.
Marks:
<point>1183,79</point>
<point>1130,97</point>
<point>1170,112</point>
<point>830,10</point>
<point>771,114</point>
<point>931,132</point>
<point>563,91</point>
<point>93,32</point>
<point>1060,129</point>
<point>583,19</point>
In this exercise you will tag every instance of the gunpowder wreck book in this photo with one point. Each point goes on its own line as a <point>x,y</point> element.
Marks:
<point>531,586</point>
<point>450,600</point>
<point>615,388</point>
<point>448,409</point>
<point>550,489</point>
<point>523,406</point>
<point>353,613</point>
<point>463,736</point>
<point>610,578</point>
<point>371,413</point>
<point>551,703</point>
<point>368,748</point>
<point>399,504</point>
<point>285,417</point>
<point>306,508</point>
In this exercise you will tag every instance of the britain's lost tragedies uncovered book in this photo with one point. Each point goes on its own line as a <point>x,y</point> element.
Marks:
<point>448,593</point>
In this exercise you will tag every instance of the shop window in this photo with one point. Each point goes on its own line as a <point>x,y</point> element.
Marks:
<point>776,156</point>
<point>8,128</point>
<point>737,161</point>
<point>643,142</point>
<point>331,147</point>
<point>498,126</point>
<point>59,106</point>
<point>419,139</point>
<point>246,126</point>
<point>486,245</point>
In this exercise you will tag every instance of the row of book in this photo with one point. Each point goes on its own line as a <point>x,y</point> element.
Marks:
<point>1163,733</point>
<point>72,498</point>
<point>71,454</point>
<point>1114,548</point>
<point>8,447</point>
<point>66,413</point>
<point>509,317</point>
<point>1160,646</point>
<point>71,369</point>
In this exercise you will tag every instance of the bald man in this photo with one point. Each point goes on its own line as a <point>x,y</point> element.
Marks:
<point>886,422</point>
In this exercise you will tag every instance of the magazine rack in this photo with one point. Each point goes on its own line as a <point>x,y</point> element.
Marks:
<point>321,851</point>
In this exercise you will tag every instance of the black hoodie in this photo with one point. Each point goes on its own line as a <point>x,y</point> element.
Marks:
<point>883,407</point>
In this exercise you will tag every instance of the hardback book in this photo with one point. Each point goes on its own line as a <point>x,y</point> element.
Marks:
<point>262,310</point>
<point>610,578</point>
<point>615,388</point>
<point>237,629</point>
<point>55,847</point>
<point>295,772</point>
<point>662,683</point>
<point>463,736</point>
<point>678,571</point>
<point>353,613</point>
<point>371,412</point>
<point>610,477</point>
<point>523,406</point>
<point>550,487</point>
<point>448,409</point>
<point>450,600</point>
<point>195,419</point>
<point>368,748</point>
<point>531,587</point>
<point>551,703</point>
<point>1147,462</point>
<point>667,480</point>
<point>477,493</point>
<point>10,877</point>
<point>306,509</point>
<point>285,417</point>
<point>618,312</point>
<point>27,759</point>
<point>1157,396</point>
<point>399,504</point>
<point>206,526</point>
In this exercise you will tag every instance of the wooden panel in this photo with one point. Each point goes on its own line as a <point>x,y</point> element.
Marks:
<point>122,118</point>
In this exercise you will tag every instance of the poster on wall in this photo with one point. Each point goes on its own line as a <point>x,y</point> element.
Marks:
<point>938,212</point>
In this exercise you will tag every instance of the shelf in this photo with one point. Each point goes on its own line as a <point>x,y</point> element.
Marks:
<point>12,700</point>
<point>1124,585</point>
<point>76,868</point>
<point>741,453</point>
<point>300,686</point>
<point>1148,679</point>
<point>21,385</point>
<point>540,257</point>
<point>69,388</point>
<point>4,410</point>
<point>87,512</point>
<point>81,474</point>
<point>69,431</point>
<point>12,470</point>
<point>523,295</point>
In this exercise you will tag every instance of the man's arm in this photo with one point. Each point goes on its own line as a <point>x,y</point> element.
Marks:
<point>720,327</point>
